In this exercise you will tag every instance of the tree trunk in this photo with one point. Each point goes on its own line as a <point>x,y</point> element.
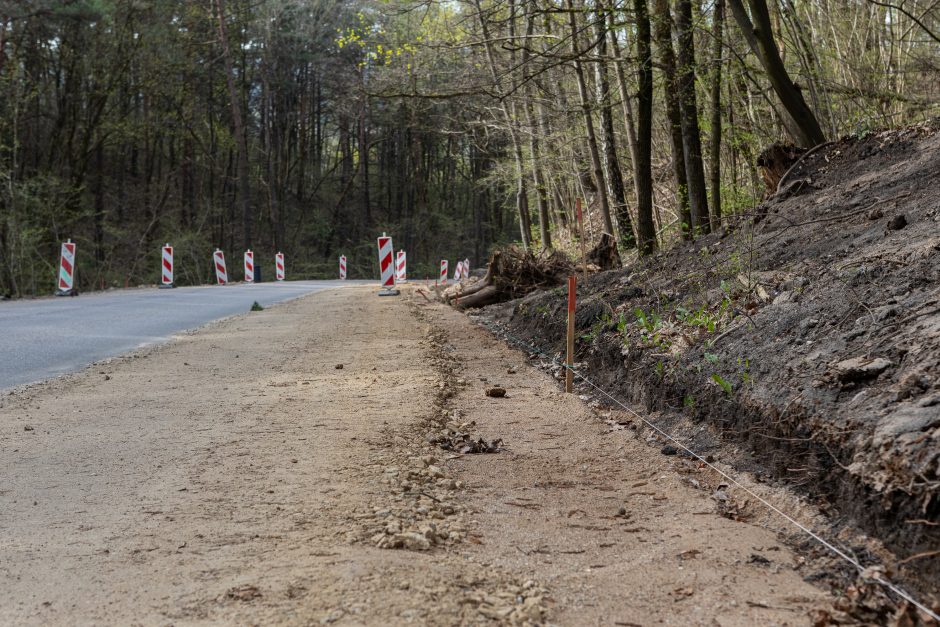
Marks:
<point>241,138</point>
<point>646,231</point>
<point>714,143</point>
<point>522,202</point>
<point>614,174</point>
<point>803,123</point>
<point>667,60</point>
<point>541,193</point>
<point>364,154</point>
<point>625,98</point>
<point>598,169</point>
<point>688,110</point>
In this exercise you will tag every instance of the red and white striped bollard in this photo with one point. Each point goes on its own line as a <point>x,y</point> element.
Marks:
<point>218,259</point>
<point>279,266</point>
<point>249,267</point>
<point>342,267</point>
<point>401,274</point>
<point>67,270</point>
<point>387,266</point>
<point>443,272</point>
<point>166,267</point>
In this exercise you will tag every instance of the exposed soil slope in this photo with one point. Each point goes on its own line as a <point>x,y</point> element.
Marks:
<point>810,330</point>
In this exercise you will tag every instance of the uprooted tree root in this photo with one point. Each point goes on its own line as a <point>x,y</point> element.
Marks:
<point>511,273</point>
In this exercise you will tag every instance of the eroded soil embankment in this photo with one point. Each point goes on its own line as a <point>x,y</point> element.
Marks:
<point>809,331</point>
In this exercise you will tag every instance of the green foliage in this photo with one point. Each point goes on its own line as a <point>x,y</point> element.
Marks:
<point>703,317</point>
<point>648,322</point>
<point>724,385</point>
<point>256,306</point>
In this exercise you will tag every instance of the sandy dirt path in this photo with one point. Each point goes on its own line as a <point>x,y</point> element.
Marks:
<point>238,476</point>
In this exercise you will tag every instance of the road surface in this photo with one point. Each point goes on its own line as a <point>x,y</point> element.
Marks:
<point>40,339</point>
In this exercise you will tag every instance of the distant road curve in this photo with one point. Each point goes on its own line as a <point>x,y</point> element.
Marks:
<point>44,338</point>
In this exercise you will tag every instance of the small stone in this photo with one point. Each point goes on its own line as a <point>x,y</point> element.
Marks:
<point>414,541</point>
<point>27,428</point>
<point>669,449</point>
<point>244,593</point>
<point>435,472</point>
<point>496,392</point>
<point>339,366</point>
<point>860,368</point>
<point>897,223</point>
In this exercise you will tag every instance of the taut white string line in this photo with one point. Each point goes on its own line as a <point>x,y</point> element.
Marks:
<point>881,579</point>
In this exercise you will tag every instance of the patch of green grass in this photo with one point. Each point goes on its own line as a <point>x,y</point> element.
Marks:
<point>256,306</point>
<point>722,383</point>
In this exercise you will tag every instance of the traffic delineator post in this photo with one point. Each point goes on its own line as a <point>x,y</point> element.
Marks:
<point>443,272</point>
<point>218,260</point>
<point>279,266</point>
<point>342,267</point>
<point>166,267</point>
<point>249,267</point>
<point>401,275</point>
<point>387,266</point>
<point>466,268</point>
<point>66,285</point>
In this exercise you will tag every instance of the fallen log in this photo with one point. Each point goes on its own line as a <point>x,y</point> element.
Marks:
<point>487,295</point>
<point>511,272</point>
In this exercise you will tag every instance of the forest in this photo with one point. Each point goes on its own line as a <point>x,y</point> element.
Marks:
<point>311,126</point>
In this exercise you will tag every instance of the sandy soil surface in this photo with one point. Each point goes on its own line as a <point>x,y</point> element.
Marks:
<point>239,476</point>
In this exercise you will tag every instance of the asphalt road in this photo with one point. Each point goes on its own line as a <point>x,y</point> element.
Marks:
<point>40,339</point>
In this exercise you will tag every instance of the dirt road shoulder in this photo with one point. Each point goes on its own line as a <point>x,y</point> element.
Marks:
<point>285,467</point>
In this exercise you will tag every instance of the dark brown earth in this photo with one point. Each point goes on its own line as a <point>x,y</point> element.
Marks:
<point>808,331</point>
